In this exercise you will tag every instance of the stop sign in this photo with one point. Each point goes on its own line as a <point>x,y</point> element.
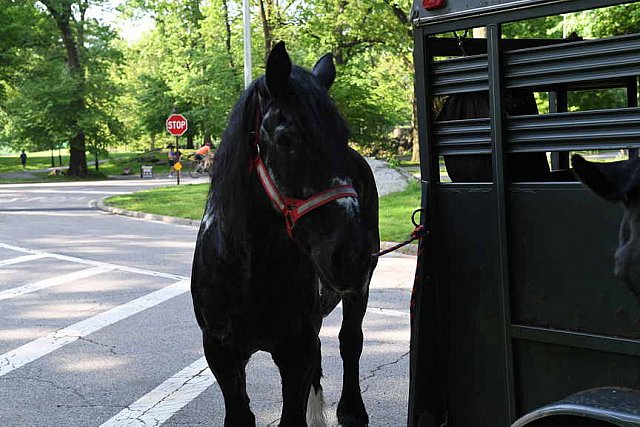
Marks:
<point>176,124</point>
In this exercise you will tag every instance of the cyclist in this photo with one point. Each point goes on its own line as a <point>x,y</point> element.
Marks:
<point>204,151</point>
<point>204,157</point>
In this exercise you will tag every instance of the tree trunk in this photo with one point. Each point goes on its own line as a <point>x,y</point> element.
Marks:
<point>77,147</point>
<point>232,64</point>
<point>415,142</point>
<point>189,141</point>
<point>153,142</point>
<point>78,155</point>
<point>265,12</point>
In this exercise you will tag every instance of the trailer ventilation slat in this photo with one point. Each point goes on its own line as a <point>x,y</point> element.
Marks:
<point>463,136</point>
<point>468,74</point>
<point>549,132</point>
<point>608,60</point>
<point>575,131</point>
<point>615,57</point>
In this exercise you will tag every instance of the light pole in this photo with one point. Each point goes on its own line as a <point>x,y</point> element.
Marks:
<point>246,19</point>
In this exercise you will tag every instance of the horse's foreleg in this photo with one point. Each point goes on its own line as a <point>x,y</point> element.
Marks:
<point>351,411</point>
<point>229,369</point>
<point>297,360</point>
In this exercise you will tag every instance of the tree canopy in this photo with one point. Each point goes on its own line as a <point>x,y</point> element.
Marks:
<point>67,79</point>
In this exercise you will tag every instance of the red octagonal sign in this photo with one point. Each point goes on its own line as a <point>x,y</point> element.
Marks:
<point>177,124</point>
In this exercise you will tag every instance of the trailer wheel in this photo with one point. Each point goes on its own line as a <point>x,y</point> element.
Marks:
<point>600,407</point>
<point>569,421</point>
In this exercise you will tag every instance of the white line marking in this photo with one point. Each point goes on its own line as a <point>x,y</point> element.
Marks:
<point>94,263</point>
<point>83,191</point>
<point>23,211</point>
<point>115,184</point>
<point>371,310</point>
<point>161,403</point>
<point>383,311</point>
<point>25,258</point>
<point>34,350</point>
<point>47,283</point>
<point>388,312</point>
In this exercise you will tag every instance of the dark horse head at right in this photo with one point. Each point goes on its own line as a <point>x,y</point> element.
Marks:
<point>619,182</point>
<point>288,231</point>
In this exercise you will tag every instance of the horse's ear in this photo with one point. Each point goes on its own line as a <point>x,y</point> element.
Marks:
<point>602,178</point>
<point>278,69</point>
<point>325,70</point>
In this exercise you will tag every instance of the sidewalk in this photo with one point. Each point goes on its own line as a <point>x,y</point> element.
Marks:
<point>20,174</point>
<point>388,180</point>
<point>28,174</point>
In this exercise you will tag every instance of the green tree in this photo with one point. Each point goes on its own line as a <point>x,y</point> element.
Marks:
<point>61,11</point>
<point>62,90</point>
<point>199,48</point>
<point>372,45</point>
<point>192,56</point>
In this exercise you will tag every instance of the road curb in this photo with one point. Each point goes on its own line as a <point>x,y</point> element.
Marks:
<point>99,204</point>
<point>411,249</point>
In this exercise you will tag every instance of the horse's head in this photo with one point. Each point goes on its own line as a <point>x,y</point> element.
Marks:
<point>619,182</point>
<point>303,153</point>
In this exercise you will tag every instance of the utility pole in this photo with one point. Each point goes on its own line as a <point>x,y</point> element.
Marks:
<point>246,19</point>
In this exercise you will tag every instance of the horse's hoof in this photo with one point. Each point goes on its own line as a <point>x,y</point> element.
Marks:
<point>354,415</point>
<point>352,422</point>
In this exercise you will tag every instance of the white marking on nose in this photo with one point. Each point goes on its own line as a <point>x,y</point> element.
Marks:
<point>350,205</point>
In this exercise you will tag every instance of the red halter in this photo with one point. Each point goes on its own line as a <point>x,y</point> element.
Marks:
<point>293,209</point>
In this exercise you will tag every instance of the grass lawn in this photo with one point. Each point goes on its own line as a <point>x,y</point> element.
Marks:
<point>115,164</point>
<point>34,162</point>
<point>395,213</point>
<point>187,201</point>
<point>112,165</point>
<point>183,201</point>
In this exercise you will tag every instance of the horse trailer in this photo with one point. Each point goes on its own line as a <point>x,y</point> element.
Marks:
<point>517,318</point>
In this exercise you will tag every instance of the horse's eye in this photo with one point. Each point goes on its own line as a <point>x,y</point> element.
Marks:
<point>285,137</point>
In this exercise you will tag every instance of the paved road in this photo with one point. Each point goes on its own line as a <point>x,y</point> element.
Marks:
<point>97,326</point>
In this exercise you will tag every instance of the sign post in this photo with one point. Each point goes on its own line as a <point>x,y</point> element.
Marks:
<point>177,125</point>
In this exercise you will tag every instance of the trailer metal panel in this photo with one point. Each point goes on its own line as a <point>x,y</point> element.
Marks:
<point>515,305</point>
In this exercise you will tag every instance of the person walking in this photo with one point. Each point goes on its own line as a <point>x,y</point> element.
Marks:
<point>174,155</point>
<point>23,160</point>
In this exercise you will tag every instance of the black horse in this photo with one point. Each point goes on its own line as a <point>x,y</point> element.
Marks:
<point>619,182</point>
<point>289,225</point>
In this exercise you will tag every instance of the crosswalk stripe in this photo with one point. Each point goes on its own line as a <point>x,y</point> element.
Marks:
<point>33,350</point>
<point>388,312</point>
<point>25,258</point>
<point>161,403</point>
<point>48,283</point>
<point>94,263</point>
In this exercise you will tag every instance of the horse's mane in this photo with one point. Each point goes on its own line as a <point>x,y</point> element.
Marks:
<point>231,193</point>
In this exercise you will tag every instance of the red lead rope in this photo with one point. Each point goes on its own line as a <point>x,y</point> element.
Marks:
<point>293,209</point>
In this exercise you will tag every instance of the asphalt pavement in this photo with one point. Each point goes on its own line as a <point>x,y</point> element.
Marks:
<point>97,326</point>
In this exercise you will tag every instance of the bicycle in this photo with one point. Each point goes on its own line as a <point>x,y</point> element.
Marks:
<point>201,167</point>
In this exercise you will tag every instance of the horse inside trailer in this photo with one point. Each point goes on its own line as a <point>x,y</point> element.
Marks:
<point>518,319</point>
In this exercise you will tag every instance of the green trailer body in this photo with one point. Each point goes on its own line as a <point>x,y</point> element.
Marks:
<point>517,317</point>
